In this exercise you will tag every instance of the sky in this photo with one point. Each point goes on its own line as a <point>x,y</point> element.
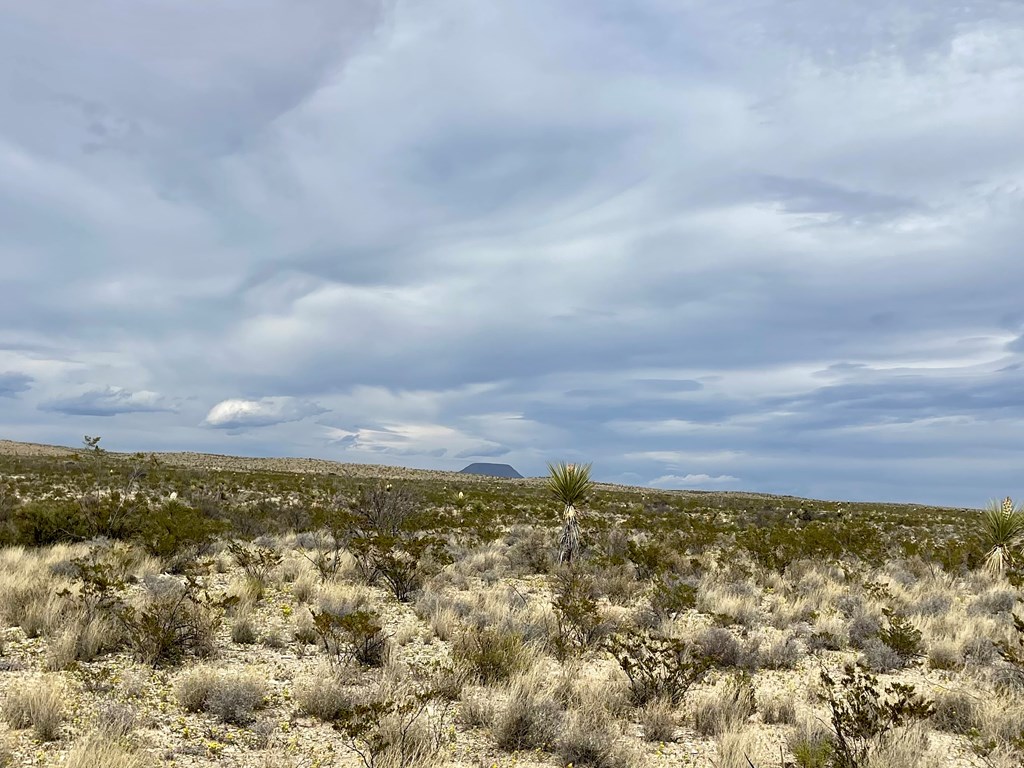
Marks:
<point>760,245</point>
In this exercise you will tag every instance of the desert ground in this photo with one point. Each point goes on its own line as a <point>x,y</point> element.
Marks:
<point>195,610</point>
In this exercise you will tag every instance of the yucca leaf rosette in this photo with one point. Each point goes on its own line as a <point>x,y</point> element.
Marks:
<point>1003,533</point>
<point>569,483</point>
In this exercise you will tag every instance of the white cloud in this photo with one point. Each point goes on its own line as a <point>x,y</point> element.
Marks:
<point>241,414</point>
<point>692,481</point>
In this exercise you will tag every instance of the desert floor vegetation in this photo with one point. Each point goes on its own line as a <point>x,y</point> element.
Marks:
<point>201,611</point>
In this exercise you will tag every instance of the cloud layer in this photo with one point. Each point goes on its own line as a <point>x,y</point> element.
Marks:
<point>761,247</point>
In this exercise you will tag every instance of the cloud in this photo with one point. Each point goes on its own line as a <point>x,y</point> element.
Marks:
<point>433,440</point>
<point>776,241</point>
<point>110,401</point>
<point>693,481</point>
<point>12,384</point>
<point>265,412</point>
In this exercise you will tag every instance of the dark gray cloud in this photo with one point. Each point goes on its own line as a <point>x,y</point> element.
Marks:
<point>110,401</point>
<point>12,384</point>
<point>767,246</point>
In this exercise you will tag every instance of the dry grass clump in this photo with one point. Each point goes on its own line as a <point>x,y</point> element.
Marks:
<point>490,655</point>
<point>720,646</point>
<point>739,602</point>
<point>902,748</point>
<point>532,717</point>
<point>103,750</point>
<point>956,712</point>
<point>476,706</point>
<point>325,695</point>
<point>736,747</point>
<point>39,705</point>
<point>725,707</point>
<point>6,749</point>
<point>811,744</point>
<point>945,654</point>
<point>591,737</point>
<point>116,719</point>
<point>231,697</point>
<point>658,720</point>
<point>776,704</point>
<point>83,638</point>
<point>243,630</point>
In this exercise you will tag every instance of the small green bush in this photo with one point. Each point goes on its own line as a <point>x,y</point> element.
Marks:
<point>657,666</point>
<point>489,655</point>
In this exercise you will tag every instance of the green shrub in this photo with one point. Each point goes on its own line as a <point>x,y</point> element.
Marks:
<point>489,655</point>
<point>357,636</point>
<point>656,666</point>
<point>863,715</point>
<point>177,533</point>
<point>171,623</point>
<point>579,623</point>
<point>672,596</point>
<point>902,637</point>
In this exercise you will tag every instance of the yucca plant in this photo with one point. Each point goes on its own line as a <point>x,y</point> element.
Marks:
<point>570,484</point>
<point>1003,532</point>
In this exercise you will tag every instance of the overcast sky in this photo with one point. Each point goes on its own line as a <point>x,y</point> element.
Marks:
<point>772,245</point>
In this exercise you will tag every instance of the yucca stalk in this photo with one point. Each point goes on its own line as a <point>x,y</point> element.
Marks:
<point>569,483</point>
<point>1003,532</point>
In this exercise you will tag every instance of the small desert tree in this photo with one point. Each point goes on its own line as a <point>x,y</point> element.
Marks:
<point>1003,532</point>
<point>570,484</point>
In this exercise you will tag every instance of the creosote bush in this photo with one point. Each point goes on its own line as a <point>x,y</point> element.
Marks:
<point>657,666</point>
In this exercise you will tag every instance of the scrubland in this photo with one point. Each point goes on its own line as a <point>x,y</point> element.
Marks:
<point>162,612</point>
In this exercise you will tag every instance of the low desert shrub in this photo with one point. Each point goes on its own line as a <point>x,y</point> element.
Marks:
<point>39,705</point>
<point>578,621</point>
<point>864,717</point>
<point>358,636</point>
<point>671,596</point>
<point>657,666</point>
<point>232,698</point>
<point>395,729</point>
<point>902,637</point>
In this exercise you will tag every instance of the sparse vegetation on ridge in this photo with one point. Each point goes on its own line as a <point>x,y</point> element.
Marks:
<point>236,613</point>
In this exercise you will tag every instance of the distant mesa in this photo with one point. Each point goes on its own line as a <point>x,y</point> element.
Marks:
<point>491,470</point>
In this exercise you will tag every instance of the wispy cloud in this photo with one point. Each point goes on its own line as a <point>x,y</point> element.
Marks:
<point>697,239</point>
<point>109,401</point>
